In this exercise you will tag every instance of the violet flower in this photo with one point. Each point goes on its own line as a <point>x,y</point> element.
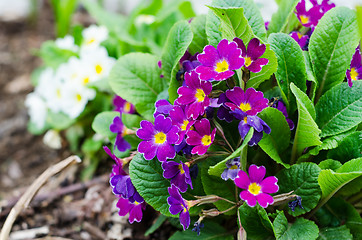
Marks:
<point>122,106</point>
<point>134,208</point>
<point>308,18</point>
<point>189,62</point>
<point>281,107</point>
<point>252,54</point>
<point>183,147</point>
<point>232,169</point>
<point>202,137</point>
<point>163,107</point>
<point>251,101</point>
<point>297,202</point>
<point>121,130</point>
<point>257,189</point>
<point>178,205</point>
<point>179,174</point>
<point>218,63</point>
<point>302,40</point>
<point>158,138</point>
<point>194,95</point>
<point>223,113</point>
<point>355,72</point>
<point>117,169</point>
<point>178,117</point>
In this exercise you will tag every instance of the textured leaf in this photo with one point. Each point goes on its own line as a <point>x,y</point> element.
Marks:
<point>330,164</point>
<point>340,233</point>
<point>307,132</point>
<point>131,121</point>
<point>256,222</point>
<point>280,19</point>
<point>310,75</point>
<point>102,122</point>
<point>275,143</point>
<point>291,66</point>
<point>136,78</point>
<point>349,148</point>
<point>339,109</point>
<point>303,180</point>
<point>301,229</point>
<point>178,40</point>
<point>199,41</point>
<point>331,47</point>
<point>213,32</point>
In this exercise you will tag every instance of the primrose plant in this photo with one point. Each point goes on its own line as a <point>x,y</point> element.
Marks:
<point>240,130</point>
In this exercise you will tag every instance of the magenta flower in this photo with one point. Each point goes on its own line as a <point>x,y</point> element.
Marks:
<point>178,205</point>
<point>194,95</point>
<point>122,106</point>
<point>252,54</point>
<point>257,189</point>
<point>355,72</point>
<point>117,169</point>
<point>302,40</point>
<point>218,63</point>
<point>121,130</point>
<point>179,174</point>
<point>134,207</point>
<point>163,107</point>
<point>311,17</point>
<point>178,117</point>
<point>251,101</point>
<point>201,137</point>
<point>158,138</point>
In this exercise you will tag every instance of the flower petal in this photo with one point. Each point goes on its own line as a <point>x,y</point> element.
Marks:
<point>264,199</point>
<point>256,173</point>
<point>242,180</point>
<point>249,198</point>
<point>269,185</point>
<point>148,148</point>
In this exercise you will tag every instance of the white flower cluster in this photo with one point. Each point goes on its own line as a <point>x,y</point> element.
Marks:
<point>66,89</point>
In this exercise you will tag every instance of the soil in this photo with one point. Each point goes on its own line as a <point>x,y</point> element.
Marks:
<point>65,208</point>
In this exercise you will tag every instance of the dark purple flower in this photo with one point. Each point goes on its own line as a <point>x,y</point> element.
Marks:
<point>308,18</point>
<point>232,169</point>
<point>252,54</point>
<point>197,227</point>
<point>251,101</point>
<point>134,208</point>
<point>223,113</point>
<point>121,130</point>
<point>257,189</point>
<point>297,202</point>
<point>117,169</point>
<point>158,138</point>
<point>122,106</point>
<point>194,171</point>
<point>178,117</point>
<point>201,137</point>
<point>302,40</point>
<point>251,121</point>
<point>179,174</point>
<point>122,185</point>
<point>194,95</point>
<point>279,104</point>
<point>355,72</point>
<point>162,107</point>
<point>183,147</point>
<point>178,205</point>
<point>218,64</point>
<point>189,62</point>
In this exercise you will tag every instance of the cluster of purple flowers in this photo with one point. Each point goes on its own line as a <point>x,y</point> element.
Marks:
<point>311,17</point>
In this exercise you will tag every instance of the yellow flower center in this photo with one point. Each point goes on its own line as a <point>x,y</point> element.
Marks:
<point>184,125</point>
<point>234,167</point>
<point>245,119</point>
<point>254,188</point>
<point>206,140</point>
<point>136,203</point>
<point>222,66</point>
<point>79,97</point>
<point>85,80</point>
<point>299,35</point>
<point>90,41</point>
<point>200,95</point>
<point>182,171</point>
<point>354,74</point>
<point>160,138</point>
<point>99,69</point>
<point>59,94</point>
<point>247,61</point>
<point>244,107</point>
<point>127,107</point>
<point>304,19</point>
<point>185,209</point>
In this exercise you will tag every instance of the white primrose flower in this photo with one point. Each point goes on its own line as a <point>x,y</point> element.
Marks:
<point>144,19</point>
<point>37,109</point>
<point>52,139</point>
<point>94,35</point>
<point>67,43</point>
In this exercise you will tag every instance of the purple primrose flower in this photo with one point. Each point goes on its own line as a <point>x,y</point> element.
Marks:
<point>308,18</point>
<point>302,40</point>
<point>252,54</point>
<point>194,95</point>
<point>232,169</point>
<point>178,117</point>
<point>201,137</point>
<point>179,174</point>
<point>218,63</point>
<point>122,106</point>
<point>121,130</point>
<point>189,62</point>
<point>117,169</point>
<point>178,205</point>
<point>257,189</point>
<point>223,113</point>
<point>134,207</point>
<point>251,101</point>
<point>281,107</point>
<point>355,72</point>
<point>158,138</point>
<point>163,107</point>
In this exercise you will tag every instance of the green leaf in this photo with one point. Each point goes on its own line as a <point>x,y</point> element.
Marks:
<point>200,38</point>
<point>213,32</point>
<point>291,66</point>
<point>331,47</point>
<point>307,132</point>
<point>300,229</point>
<point>330,164</point>
<point>339,109</point>
<point>256,222</point>
<point>178,40</point>
<point>211,231</point>
<point>330,181</point>
<point>59,121</point>
<point>159,221</point>
<point>275,143</point>
<point>136,78</point>
<point>279,19</point>
<point>303,180</point>
<point>359,19</point>
<point>102,122</point>
<point>52,55</point>
<point>218,169</point>
<point>340,233</point>
<point>310,75</point>
<point>349,148</point>
<point>131,121</point>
